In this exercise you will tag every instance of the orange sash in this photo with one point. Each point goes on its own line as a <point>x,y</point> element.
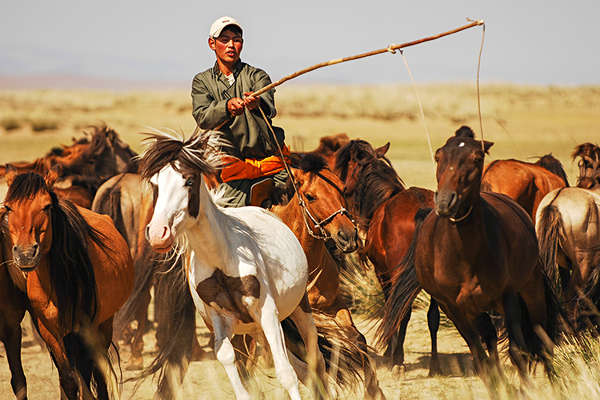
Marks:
<point>251,168</point>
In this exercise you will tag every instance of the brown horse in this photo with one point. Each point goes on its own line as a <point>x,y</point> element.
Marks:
<point>386,211</point>
<point>478,253</point>
<point>83,166</point>
<point>524,182</point>
<point>317,214</point>
<point>79,272</point>
<point>328,145</point>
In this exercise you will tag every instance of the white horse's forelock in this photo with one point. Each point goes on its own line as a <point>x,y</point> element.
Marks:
<point>209,154</point>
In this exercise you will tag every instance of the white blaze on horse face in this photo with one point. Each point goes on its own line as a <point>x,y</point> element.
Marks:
<point>170,210</point>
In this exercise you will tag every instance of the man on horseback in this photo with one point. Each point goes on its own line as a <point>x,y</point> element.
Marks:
<point>222,100</point>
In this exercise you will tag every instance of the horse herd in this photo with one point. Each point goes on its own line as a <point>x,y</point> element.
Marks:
<point>89,229</point>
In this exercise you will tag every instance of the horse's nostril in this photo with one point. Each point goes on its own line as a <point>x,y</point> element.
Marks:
<point>15,248</point>
<point>147,232</point>
<point>343,236</point>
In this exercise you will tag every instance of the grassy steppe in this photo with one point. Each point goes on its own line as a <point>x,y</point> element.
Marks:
<point>523,121</point>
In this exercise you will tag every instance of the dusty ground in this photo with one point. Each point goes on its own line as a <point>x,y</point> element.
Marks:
<point>207,380</point>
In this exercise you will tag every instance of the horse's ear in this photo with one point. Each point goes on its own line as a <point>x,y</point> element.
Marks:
<point>53,174</point>
<point>10,173</point>
<point>380,151</point>
<point>487,145</point>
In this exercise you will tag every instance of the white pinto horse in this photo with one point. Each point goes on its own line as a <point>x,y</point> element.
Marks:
<point>247,270</point>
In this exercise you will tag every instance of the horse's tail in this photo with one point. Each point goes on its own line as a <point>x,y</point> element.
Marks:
<point>404,290</point>
<point>343,356</point>
<point>176,330</point>
<point>108,201</point>
<point>550,234</point>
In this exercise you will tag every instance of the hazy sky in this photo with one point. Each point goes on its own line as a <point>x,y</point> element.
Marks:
<point>527,41</point>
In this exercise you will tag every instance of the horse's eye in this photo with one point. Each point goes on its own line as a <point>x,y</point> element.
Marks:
<point>7,209</point>
<point>189,181</point>
<point>310,197</point>
<point>47,208</point>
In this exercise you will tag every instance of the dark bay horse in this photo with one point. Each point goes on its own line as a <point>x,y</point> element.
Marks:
<point>524,182</point>
<point>78,271</point>
<point>568,229</point>
<point>13,304</point>
<point>386,212</point>
<point>477,253</point>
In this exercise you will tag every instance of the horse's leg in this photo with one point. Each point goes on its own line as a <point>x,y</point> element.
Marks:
<point>102,368</point>
<point>79,352</point>
<point>433,321</point>
<point>223,332</point>
<point>302,317</point>
<point>372,389</point>
<point>471,336</point>
<point>136,361</point>
<point>12,344</point>
<point>268,317</point>
<point>513,315</point>
<point>66,375</point>
<point>397,345</point>
<point>488,333</point>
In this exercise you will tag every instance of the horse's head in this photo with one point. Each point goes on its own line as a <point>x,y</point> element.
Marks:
<point>459,167</point>
<point>324,205</point>
<point>589,165</point>
<point>107,154</point>
<point>175,167</point>
<point>28,211</point>
<point>351,159</point>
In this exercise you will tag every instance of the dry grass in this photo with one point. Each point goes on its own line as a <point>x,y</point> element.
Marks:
<point>523,121</point>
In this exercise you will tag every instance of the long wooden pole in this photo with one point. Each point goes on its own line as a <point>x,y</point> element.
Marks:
<point>391,48</point>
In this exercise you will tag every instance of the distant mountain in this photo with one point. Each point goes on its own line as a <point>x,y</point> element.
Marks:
<point>83,82</point>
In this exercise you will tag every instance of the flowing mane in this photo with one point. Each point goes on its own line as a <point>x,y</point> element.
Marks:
<point>376,180</point>
<point>71,270</point>
<point>308,162</point>
<point>199,153</point>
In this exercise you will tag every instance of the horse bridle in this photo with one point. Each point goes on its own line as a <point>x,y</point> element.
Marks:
<point>321,233</point>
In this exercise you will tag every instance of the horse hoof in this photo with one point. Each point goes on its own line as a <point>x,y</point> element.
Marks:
<point>398,371</point>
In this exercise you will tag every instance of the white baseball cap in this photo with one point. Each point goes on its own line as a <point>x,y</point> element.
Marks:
<point>220,24</point>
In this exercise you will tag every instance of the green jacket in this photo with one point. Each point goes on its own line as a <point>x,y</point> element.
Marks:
<point>247,132</point>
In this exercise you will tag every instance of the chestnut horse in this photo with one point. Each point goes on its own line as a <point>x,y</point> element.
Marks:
<point>386,211</point>
<point>317,214</point>
<point>567,226</point>
<point>79,272</point>
<point>475,254</point>
<point>524,182</point>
